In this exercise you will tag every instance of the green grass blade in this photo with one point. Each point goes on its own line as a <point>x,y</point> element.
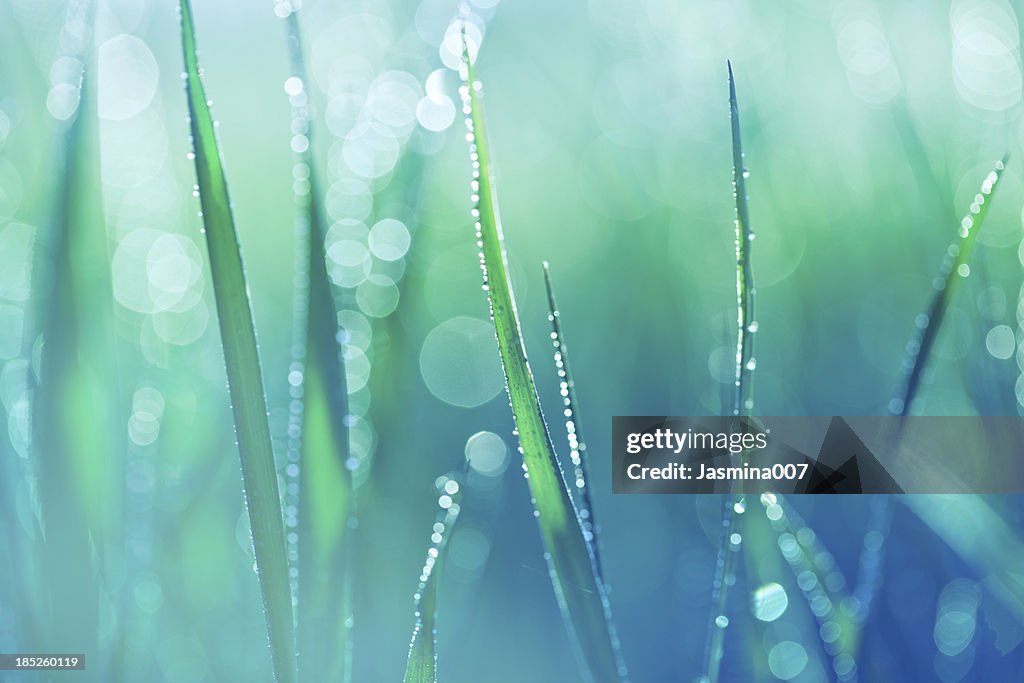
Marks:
<point>71,446</point>
<point>580,593</point>
<point>955,267</point>
<point>422,664</point>
<point>574,431</point>
<point>241,356</point>
<point>325,501</point>
<point>743,401</point>
<point>781,530</point>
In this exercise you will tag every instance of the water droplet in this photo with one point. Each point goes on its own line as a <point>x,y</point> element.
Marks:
<point>769,602</point>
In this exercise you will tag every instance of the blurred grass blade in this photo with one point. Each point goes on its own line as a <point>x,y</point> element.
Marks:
<point>574,432</point>
<point>1019,380</point>
<point>241,356</point>
<point>71,444</point>
<point>781,530</point>
<point>325,500</point>
<point>954,268</point>
<point>743,401</point>
<point>982,538</point>
<point>422,664</point>
<point>581,594</point>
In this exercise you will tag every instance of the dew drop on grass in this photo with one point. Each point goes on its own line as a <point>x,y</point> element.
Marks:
<point>787,660</point>
<point>468,552</point>
<point>130,77</point>
<point>389,239</point>
<point>769,602</point>
<point>487,454</point>
<point>1000,342</point>
<point>457,364</point>
<point>377,296</point>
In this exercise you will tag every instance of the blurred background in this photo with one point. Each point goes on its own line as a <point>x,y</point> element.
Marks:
<point>868,129</point>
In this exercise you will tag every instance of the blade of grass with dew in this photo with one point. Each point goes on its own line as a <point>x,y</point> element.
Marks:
<point>954,268</point>
<point>781,529</point>
<point>574,432</point>
<point>581,595</point>
<point>770,593</point>
<point>241,356</point>
<point>422,664</point>
<point>746,324</point>
<point>325,500</point>
<point>743,402</point>
<point>986,383</point>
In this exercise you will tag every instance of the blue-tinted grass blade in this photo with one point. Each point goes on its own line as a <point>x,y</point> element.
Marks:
<point>743,401</point>
<point>319,419</point>
<point>574,431</point>
<point>578,589</point>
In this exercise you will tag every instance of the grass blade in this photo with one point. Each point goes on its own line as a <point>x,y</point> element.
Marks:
<point>781,530</point>
<point>574,432</point>
<point>996,555</point>
<point>326,500</point>
<point>743,401</point>
<point>746,325</point>
<point>241,355</point>
<point>954,268</point>
<point>422,664</point>
<point>71,448</point>
<point>581,594</point>
<point>1019,382</point>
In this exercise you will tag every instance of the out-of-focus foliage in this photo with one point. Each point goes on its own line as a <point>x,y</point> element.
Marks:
<point>872,125</point>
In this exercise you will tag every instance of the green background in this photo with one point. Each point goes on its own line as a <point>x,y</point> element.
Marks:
<point>868,128</point>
